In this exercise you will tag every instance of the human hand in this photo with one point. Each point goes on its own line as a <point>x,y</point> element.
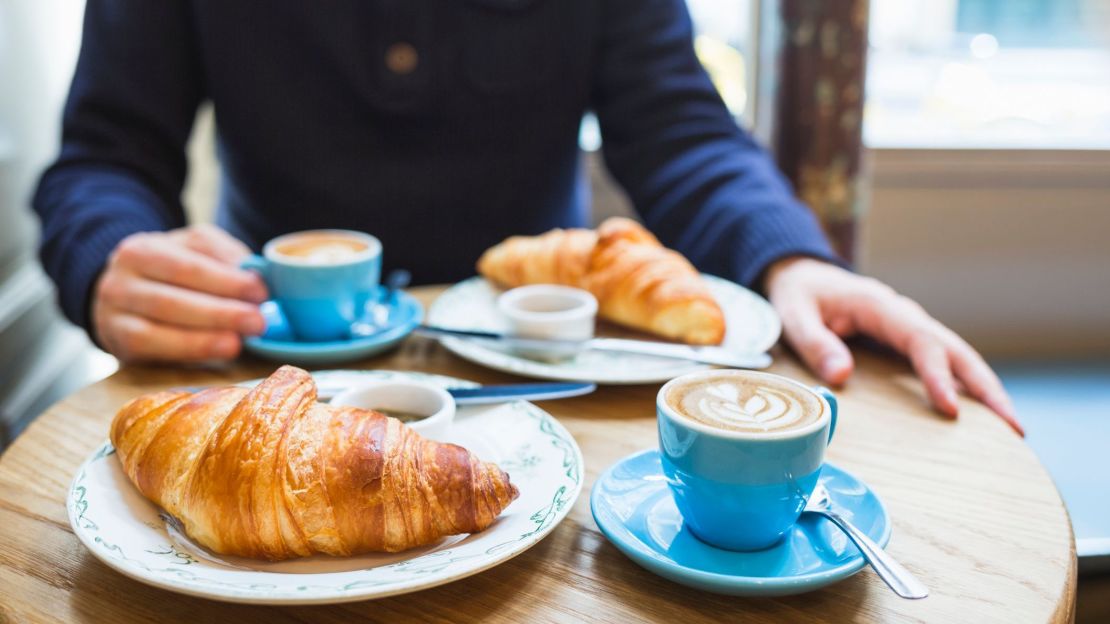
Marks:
<point>820,304</point>
<point>177,296</point>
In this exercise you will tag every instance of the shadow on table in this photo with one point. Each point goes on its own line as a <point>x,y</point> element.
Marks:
<point>101,594</point>
<point>658,599</point>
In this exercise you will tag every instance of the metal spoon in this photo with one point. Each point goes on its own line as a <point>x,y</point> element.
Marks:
<point>893,574</point>
<point>398,279</point>
<point>378,317</point>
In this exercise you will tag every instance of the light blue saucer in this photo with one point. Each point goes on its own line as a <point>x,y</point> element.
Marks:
<point>279,343</point>
<point>632,506</point>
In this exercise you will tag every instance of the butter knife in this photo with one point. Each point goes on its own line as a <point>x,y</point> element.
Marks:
<point>479,395</point>
<point>520,392</point>
<point>717,356</point>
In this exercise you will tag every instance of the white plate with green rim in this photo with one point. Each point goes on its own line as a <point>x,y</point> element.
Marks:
<point>132,535</point>
<point>752,325</point>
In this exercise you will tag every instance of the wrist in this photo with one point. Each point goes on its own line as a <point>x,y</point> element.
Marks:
<point>783,267</point>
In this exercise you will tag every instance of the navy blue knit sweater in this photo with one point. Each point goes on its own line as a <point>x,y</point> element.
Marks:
<point>440,126</point>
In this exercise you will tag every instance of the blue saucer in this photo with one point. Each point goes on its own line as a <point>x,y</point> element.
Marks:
<point>632,506</point>
<point>279,344</point>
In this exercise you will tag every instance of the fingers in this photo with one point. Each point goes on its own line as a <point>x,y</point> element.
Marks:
<point>940,357</point>
<point>213,242</point>
<point>904,325</point>
<point>819,302</point>
<point>152,256</point>
<point>842,325</point>
<point>177,296</point>
<point>982,382</point>
<point>821,349</point>
<point>170,304</point>
<point>135,338</point>
<point>930,360</point>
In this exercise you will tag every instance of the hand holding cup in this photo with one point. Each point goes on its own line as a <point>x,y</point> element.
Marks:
<point>177,296</point>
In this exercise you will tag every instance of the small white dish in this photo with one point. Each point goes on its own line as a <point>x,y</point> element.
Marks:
<point>549,312</point>
<point>432,407</point>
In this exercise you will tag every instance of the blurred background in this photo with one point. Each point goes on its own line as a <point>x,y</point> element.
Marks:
<point>984,193</point>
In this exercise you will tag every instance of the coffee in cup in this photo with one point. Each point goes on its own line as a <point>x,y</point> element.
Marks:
<point>746,404</point>
<point>741,452</point>
<point>322,248</point>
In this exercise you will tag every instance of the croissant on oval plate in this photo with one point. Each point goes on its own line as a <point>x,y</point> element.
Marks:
<point>637,281</point>
<point>271,473</point>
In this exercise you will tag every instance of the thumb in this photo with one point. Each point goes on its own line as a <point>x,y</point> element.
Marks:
<point>821,349</point>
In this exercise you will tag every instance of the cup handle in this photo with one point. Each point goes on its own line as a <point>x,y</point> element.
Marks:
<point>255,262</point>
<point>831,398</point>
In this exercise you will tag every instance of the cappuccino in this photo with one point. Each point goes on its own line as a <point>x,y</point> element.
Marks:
<point>320,248</point>
<point>745,402</point>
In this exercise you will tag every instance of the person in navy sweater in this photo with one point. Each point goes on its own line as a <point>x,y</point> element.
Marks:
<point>441,127</point>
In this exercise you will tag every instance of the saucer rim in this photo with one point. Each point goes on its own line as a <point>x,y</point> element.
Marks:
<point>399,331</point>
<point>654,562</point>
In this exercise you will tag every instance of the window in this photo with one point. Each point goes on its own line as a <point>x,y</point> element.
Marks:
<point>989,74</point>
<point>724,43</point>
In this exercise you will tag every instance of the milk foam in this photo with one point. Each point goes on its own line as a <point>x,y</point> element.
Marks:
<point>321,250</point>
<point>330,253</point>
<point>747,407</point>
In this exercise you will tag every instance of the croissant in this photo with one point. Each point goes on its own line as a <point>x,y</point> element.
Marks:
<point>637,281</point>
<point>270,473</point>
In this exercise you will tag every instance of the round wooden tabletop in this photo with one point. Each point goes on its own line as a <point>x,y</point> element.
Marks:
<point>975,517</point>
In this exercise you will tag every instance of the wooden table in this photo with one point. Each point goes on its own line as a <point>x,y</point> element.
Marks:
<point>975,517</point>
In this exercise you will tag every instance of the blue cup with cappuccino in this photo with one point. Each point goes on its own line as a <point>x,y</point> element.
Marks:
<point>742,452</point>
<point>322,280</point>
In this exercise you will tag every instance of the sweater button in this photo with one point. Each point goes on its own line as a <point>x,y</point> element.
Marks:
<point>401,58</point>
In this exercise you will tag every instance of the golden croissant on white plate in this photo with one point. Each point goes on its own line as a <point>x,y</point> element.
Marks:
<point>271,473</point>
<point>637,281</point>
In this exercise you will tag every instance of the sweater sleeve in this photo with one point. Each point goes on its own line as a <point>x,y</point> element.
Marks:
<point>121,167</point>
<point>699,181</point>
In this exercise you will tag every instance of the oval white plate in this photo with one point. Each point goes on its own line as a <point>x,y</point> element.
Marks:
<point>129,533</point>
<point>752,327</point>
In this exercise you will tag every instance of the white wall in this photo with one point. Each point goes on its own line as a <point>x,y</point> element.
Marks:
<point>43,358</point>
<point>1012,249</point>
<point>39,41</point>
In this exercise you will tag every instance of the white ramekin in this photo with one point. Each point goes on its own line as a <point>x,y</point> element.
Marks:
<point>549,312</point>
<point>406,396</point>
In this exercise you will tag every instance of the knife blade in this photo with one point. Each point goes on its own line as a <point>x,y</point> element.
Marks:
<point>717,356</point>
<point>520,392</point>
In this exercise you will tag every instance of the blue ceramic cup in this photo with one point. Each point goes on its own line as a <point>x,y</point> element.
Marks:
<point>741,490</point>
<point>321,279</point>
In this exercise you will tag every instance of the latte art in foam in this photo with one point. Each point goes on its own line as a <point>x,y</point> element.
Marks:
<point>746,406</point>
<point>322,249</point>
<point>330,253</point>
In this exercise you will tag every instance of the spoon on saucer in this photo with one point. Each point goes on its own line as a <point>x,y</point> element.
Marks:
<point>904,583</point>
<point>378,316</point>
<point>398,279</point>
